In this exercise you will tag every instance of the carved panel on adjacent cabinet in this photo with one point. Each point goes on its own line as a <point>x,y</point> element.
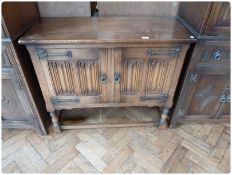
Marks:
<point>206,98</point>
<point>5,56</point>
<point>14,105</point>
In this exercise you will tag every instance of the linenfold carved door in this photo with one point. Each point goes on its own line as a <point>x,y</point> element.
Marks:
<point>146,73</point>
<point>80,76</point>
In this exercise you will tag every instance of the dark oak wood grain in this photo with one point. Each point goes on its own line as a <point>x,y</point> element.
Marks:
<point>195,14</point>
<point>206,19</point>
<point>219,19</point>
<point>18,17</point>
<point>107,30</point>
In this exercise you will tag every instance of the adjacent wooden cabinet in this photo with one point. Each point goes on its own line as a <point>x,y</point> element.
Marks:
<point>219,19</point>
<point>22,102</point>
<point>206,19</point>
<point>204,95</point>
<point>14,104</point>
<point>107,61</point>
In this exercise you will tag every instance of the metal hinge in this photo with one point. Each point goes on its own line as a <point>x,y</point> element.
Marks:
<point>42,53</point>
<point>57,101</point>
<point>172,52</point>
<point>193,78</point>
<point>162,97</point>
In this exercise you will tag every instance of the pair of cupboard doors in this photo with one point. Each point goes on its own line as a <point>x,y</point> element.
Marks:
<point>73,76</point>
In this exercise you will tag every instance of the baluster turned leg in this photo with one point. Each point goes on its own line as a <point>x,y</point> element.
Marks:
<point>55,122</point>
<point>164,118</point>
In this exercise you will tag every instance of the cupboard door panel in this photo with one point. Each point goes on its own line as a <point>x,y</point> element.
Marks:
<point>146,73</point>
<point>14,104</point>
<point>206,97</point>
<point>202,98</point>
<point>73,75</point>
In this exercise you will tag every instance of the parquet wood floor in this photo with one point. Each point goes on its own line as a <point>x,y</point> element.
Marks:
<point>190,148</point>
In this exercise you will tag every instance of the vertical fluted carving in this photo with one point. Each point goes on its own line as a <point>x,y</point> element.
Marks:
<point>131,75</point>
<point>62,77</point>
<point>88,72</point>
<point>157,74</point>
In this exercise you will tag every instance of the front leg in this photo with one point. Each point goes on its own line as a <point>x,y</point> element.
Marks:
<point>55,122</point>
<point>164,118</point>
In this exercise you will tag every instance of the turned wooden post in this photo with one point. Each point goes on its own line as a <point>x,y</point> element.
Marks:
<point>55,122</point>
<point>164,118</point>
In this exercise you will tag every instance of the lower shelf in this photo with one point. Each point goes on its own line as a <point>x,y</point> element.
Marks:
<point>109,117</point>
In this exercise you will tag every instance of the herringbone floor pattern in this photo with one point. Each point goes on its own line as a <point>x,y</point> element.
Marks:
<point>190,148</point>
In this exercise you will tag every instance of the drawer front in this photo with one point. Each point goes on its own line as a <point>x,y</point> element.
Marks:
<point>146,73</point>
<point>216,53</point>
<point>6,56</point>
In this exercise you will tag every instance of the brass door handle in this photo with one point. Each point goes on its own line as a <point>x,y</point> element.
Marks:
<point>225,98</point>
<point>217,56</point>
<point>117,78</point>
<point>228,99</point>
<point>103,78</point>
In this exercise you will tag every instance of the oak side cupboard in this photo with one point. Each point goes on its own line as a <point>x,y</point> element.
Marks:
<point>89,62</point>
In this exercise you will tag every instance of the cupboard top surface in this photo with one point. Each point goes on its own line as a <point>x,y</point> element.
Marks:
<point>107,30</point>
